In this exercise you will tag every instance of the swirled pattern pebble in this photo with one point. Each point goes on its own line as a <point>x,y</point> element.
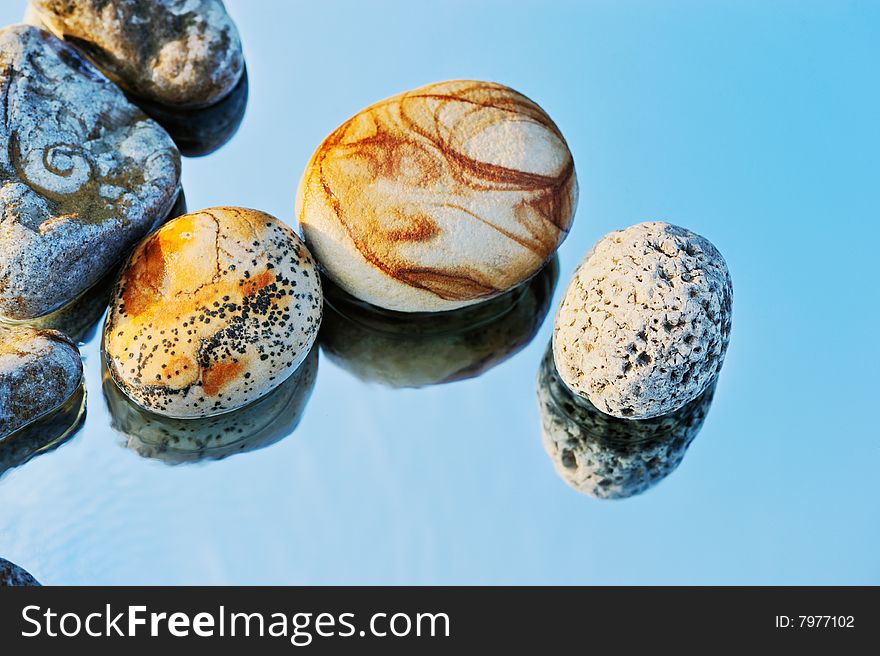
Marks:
<point>39,371</point>
<point>607,457</point>
<point>83,173</point>
<point>645,322</point>
<point>212,311</point>
<point>438,198</point>
<point>174,52</point>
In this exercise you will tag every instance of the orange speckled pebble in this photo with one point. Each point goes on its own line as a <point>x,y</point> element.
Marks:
<point>211,312</point>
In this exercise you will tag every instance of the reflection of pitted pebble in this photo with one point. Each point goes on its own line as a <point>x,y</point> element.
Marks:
<point>174,441</point>
<point>645,322</point>
<point>607,457</point>
<point>12,575</point>
<point>438,198</point>
<point>211,312</point>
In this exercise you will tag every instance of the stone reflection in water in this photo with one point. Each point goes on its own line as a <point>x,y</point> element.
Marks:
<point>11,575</point>
<point>401,349</point>
<point>175,441</point>
<point>606,457</point>
<point>45,434</point>
<point>200,132</point>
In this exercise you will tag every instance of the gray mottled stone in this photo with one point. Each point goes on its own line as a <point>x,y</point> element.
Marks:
<point>400,349</point>
<point>39,370</point>
<point>78,318</point>
<point>174,52</point>
<point>645,322</point>
<point>175,441</point>
<point>12,575</point>
<point>46,433</point>
<point>84,174</point>
<point>608,457</point>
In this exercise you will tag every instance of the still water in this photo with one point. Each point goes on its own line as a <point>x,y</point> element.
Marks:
<point>753,124</point>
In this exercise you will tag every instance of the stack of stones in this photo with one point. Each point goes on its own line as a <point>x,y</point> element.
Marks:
<point>638,343</point>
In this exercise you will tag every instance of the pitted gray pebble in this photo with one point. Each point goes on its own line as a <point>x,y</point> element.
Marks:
<point>83,173</point>
<point>11,575</point>
<point>175,52</point>
<point>39,371</point>
<point>645,322</point>
<point>607,457</point>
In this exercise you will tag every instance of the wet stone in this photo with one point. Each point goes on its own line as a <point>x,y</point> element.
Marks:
<point>211,312</point>
<point>184,53</point>
<point>11,575</point>
<point>84,174</point>
<point>438,198</point>
<point>645,322</point>
<point>39,371</point>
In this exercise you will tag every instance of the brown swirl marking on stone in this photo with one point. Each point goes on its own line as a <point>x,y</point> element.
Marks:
<point>408,141</point>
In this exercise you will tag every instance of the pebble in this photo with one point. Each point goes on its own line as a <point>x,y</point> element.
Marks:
<point>645,322</point>
<point>11,575</point>
<point>45,434</point>
<point>211,312</point>
<point>607,457</point>
<point>39,371</point>
<point>399,349</point>
<point>173,52</point>
<point>438,198</point>
<point>84,174</point>
<point>174,441</point>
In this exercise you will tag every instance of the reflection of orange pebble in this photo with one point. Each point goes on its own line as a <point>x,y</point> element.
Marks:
<point>439,197</point>
<point>211,312</point>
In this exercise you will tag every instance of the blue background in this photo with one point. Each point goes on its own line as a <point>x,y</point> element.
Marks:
<point>752,123</point>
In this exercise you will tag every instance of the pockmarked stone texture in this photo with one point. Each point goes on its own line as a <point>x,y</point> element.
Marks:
<point>418,349</point>
<point>39,371</point>
<point>84,174</point>
<point>645,322</point>
<point>607,457</point>
<point>46,433</point>
<point>211,312</point>
<point>11,575</point>
<point>175,441</point>
<point>438,198</point>
<point>174,52</point>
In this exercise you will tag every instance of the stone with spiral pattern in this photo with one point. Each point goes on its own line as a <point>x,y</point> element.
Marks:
<point>84,174</point>
<point>438,198</point>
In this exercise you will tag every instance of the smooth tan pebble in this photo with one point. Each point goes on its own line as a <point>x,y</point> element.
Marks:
<point>438,198</point>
